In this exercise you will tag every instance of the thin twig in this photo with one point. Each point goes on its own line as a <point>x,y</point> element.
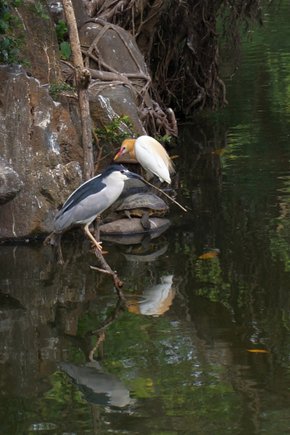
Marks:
<point>101,270</point>
<point>164,193</point>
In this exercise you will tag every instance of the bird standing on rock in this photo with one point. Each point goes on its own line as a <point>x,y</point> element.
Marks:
<point>90,200</point>
<point>151,155</point>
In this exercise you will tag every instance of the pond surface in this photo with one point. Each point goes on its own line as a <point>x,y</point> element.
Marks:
<point>204,347</point>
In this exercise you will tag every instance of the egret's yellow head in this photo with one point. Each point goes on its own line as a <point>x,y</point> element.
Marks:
<point>127,147</point>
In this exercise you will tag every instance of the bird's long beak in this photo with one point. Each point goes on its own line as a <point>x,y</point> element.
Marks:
<point>121,151</point>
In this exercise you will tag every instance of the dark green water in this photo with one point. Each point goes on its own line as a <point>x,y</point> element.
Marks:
<point>221,278</point>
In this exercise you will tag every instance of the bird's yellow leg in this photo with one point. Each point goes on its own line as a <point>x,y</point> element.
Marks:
<point>98,245</point>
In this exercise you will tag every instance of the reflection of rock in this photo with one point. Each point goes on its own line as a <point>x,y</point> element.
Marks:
<point>31,344</point>
<point>155,300</point>
<point>98,387</point>
<point>144,256</point>
<point>7,302</point>
<point>17,363</point>
<point>12,314</point>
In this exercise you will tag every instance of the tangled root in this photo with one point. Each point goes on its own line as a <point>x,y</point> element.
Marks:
<point>182,58</point>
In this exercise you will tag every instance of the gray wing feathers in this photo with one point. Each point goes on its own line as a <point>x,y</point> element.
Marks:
<point>82,213</point>
<point>89,207</point>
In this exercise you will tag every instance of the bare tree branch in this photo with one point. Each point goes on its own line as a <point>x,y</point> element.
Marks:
<point>82,82</point>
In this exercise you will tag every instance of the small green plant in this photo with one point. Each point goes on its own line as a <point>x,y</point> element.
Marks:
<point>59,87</point>
<point>9,43</point>
<point>62,37</point>
<point>165,140</point>
<point>65,50</point>
<point>61,30</point>
<point>116,131</point>
<point>40,9</point>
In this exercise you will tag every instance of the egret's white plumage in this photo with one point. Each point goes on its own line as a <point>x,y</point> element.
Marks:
<point>151,155</point>
<point>155,299</point>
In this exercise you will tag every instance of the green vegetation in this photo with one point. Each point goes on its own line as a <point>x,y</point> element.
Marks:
<point>11,41</point>
<point>165,139</point>
<point>61,30</point>
<point>9,44</point>
<point>116,131</point>
<point>55,89</point>
<point>40,9</point>
<point>62,37</point>
<point>65,50</point>
<point>121,128</point>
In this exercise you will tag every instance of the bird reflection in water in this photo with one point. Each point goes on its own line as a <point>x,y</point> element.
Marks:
<point>155,300</point>
<point>98,386</point>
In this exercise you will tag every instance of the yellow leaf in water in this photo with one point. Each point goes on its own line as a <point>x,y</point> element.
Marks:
<point>209,254</point>
<point>258,350</point>
<point>219,151</point>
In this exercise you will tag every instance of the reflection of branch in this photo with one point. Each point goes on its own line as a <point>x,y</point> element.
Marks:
<point>100,332</point>
<point>85,342</point>
<point>121,303</point>
<point>110,319</point>
<point>100,340</point>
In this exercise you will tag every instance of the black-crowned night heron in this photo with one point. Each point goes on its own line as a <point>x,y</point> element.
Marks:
<point>88,201</point>
<point>151,155</point>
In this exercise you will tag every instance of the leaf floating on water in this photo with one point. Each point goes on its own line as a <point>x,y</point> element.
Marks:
<point>209,254</point>
<point>42,426</point>
<point>219,151</point>
<point>258,350</point>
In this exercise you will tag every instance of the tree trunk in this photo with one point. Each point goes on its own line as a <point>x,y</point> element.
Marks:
<point>82,83</point>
